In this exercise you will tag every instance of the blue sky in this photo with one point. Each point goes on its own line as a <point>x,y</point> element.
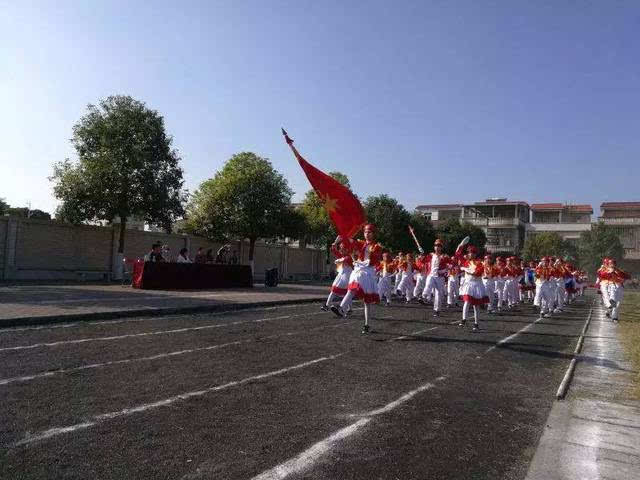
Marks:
<point>427,101</point>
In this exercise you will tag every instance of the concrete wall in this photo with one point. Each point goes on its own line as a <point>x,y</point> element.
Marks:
<point>46,250</point>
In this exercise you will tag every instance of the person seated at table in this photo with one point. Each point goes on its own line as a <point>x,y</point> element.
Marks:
<point>155,255</point>
<point>183,256</point>
<point>234,258</point>
<point>200,256</point>
<point>221,255</point>
<point>166,254</point>
<point>210,258</point>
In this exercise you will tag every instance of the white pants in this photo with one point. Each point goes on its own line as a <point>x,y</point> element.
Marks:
<point>545,296</point>
<point>420,282</point>
<point>490,287</point>
<point>406,285</point>
<point>604,290</point>
<point>434,285</point>
<point>499,284</point>
<point>385,287</point>
<point>452,290</point>
<point>510,292</point>
<point>615,293</point>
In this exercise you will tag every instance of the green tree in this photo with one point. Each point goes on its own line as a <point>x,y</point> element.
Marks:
<point>318,228</point>
<point>595,244</point>
<point>452,232</point>
<point>4,206</point>
<point>126,167</point>
<point>248,198</point>
<point>39,214</point>
<point>543,244</point>
<point>392,221</point>
<point>22,212</point>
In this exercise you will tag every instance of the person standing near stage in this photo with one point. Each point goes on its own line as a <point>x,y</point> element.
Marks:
<point>362,283</point>
<point>155,255</point>
<point>472,291</point>
<point>344,264</point>
<point>436,264</point>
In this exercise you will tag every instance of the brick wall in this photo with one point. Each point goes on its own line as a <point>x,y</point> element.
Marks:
<point>47,250</point>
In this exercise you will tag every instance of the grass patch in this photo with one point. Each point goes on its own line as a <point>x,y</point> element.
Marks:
<point>630,332</point>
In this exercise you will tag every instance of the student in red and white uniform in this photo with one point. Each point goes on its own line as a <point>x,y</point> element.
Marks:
<point>472,291</point>
<point>344,264</point>
<point>435,264</point>
<point>511,274</point>
<point>528,284</point>
<point>399,259</point>
<point>615,287</point>
<point>363,281</point>
<point>602,284</point>
<point>488,281</point>
<point>422,271</point>
<point>499,280</point>
<point>453,283</point>
<point>545,287</point>
<point>407,284</point>
<point>386,271</point>
<point>558,277</point>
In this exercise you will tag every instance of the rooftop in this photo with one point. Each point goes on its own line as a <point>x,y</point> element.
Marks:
<point>583,208</point>
<point>620,205</point>
<point>446,205</point>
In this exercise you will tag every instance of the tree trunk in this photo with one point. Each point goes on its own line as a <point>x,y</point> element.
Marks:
<point>123,227</point>
<point>117,268</point>
<point>252,247</point>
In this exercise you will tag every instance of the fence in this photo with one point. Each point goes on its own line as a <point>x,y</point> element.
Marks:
<point>46,250</point>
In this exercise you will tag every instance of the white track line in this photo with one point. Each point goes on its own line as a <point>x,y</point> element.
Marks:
<point>409,335</point>
<point>159,332</point>
<point>159,356</point>
<point>147,319</point>
<point>306,459</point>
<point>510,337</point>
<point>53,432</point>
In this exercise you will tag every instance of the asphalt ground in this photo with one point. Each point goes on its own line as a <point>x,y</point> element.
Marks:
<point>285,392</point>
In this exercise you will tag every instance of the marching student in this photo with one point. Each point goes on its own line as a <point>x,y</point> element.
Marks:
<point>489,283</point>
<point>344,263</point>
<point>399,259</point>
<point>387,271</point>
<point>511,273</point>
<point>615,287</point>
<point>435,264</point>
<point>499,280</point>
<point>362,282</point>
<point>602,283</point>
<point>558,277</point>
<point>545,287</point>
<point>529,281</point>
<point>407,284</point>
<point>422,269</point>
<point>472,291</point>
<point>453,283</point>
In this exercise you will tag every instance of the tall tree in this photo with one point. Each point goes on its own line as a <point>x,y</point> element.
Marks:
<point>248,198</point>
<point>4,206</point>
<point>39,214</point>
<point>452,232</point>
<point>318,227</point>
<point>599,242</point>
<point>392,221</point>
<point>126,167</point>
<point>543,244</point>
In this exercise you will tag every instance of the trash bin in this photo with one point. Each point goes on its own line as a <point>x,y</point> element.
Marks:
<point>271,277</point>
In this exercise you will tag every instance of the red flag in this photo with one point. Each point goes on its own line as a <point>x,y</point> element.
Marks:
<point>342,206</point>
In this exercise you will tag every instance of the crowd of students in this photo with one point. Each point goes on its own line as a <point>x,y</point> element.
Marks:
<point>366,270</point>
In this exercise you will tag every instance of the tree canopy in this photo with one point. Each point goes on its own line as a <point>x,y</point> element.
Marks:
<point>247,198</point>
<point>595,244</point>
<point>547,243</point>
<point>126,167</point>
<point>3,206</point>
<point>452,232</point>
<point>392,221</point>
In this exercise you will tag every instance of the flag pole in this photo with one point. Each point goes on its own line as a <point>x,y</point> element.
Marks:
<point>415,239</point>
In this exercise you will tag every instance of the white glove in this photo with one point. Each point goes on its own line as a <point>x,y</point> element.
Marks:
<point>421,250</point>
<point>337,240</point>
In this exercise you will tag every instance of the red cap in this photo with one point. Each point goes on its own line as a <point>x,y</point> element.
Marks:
<point>472,249</point>
<point>370,226</point>
<point>437,242</point>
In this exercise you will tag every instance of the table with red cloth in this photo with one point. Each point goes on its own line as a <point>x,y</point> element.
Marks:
<point>189,276</point>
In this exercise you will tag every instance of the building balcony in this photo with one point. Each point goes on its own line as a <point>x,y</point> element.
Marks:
<point>558,227</point>
<point>620,221</point>
<point>500,249</point>
<point>493,221</point>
